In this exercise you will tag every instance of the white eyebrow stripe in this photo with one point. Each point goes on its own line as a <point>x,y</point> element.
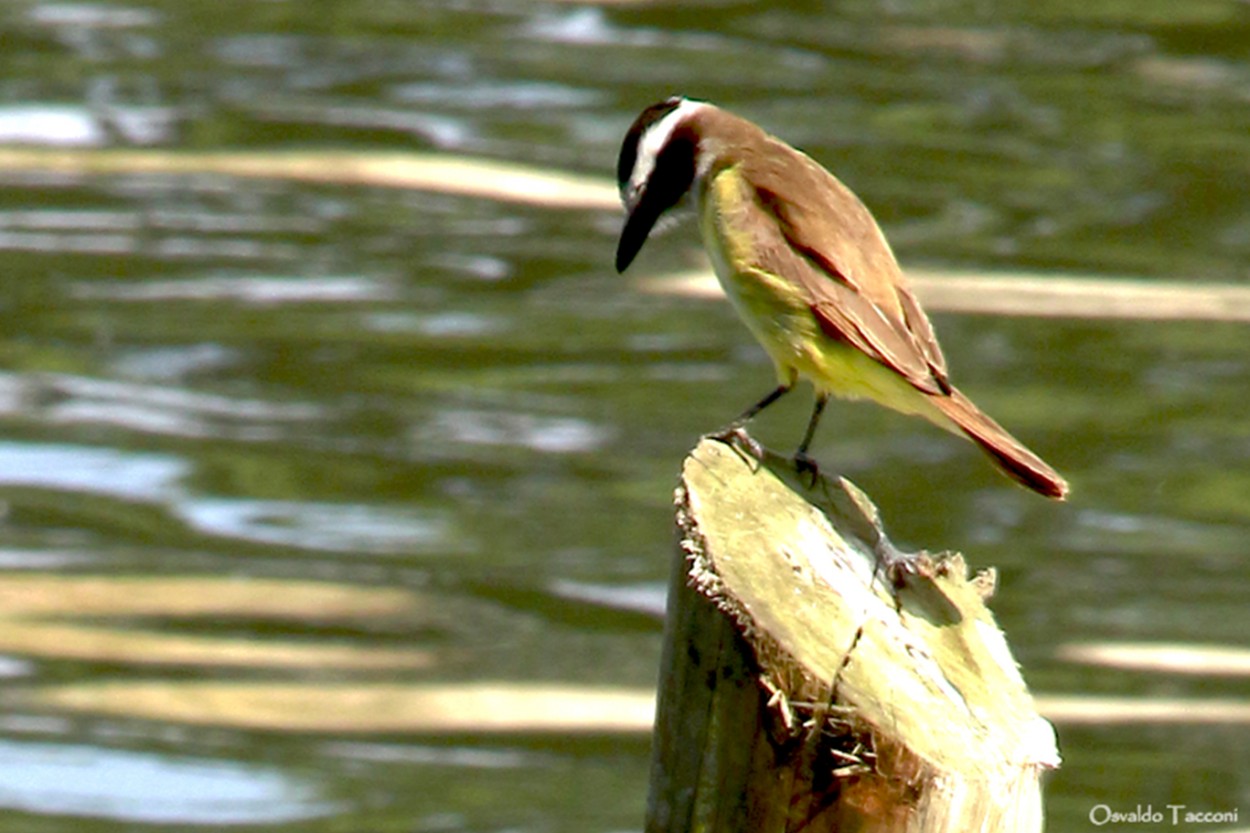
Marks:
<point>654,140</point>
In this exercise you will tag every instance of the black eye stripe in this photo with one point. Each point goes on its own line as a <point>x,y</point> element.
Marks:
<point>674,168</point>
<point>629,148</point>
<point>676,158</point>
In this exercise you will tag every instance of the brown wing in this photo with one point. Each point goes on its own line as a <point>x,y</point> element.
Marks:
<point>855,286</point>
<point>918,324</point>
<point>847,316</point>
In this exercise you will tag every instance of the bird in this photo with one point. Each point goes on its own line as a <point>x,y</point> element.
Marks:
<point>805,265</point>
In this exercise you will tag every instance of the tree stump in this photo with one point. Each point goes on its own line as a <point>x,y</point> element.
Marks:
<point>805,689</point>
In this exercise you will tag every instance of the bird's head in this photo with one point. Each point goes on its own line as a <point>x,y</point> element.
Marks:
<point>661,159</point>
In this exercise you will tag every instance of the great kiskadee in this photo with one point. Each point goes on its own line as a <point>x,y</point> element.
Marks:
<point>807,268</point>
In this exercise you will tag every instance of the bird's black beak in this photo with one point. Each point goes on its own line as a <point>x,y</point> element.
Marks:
<point>669,181</point>
<point>638,224</point>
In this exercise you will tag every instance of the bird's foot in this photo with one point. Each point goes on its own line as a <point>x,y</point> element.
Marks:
<point>736,437</point>
<point>897,566</point>
<point>804,463</point>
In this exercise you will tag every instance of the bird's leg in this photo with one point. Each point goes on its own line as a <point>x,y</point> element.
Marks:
<point>803,462</point>
<point>735,432</point>
<point>749,413</point>
<point>895,564</point>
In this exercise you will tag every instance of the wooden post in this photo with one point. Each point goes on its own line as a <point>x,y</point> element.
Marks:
<point>804,690</point>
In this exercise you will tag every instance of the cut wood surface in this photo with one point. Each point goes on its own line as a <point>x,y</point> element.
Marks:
<point>801,690</point>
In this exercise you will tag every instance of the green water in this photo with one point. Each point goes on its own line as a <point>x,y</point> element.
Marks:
<point>451,409</point>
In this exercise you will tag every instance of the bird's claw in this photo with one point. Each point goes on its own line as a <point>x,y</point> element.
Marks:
<point>735,436</point>
<point>897,565</point>
<point>806,464</point>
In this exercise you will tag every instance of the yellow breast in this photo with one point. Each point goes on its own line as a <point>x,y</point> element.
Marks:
<point>776,308</point>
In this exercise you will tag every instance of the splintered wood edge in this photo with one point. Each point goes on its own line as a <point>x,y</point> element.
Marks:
<point>925,667</point>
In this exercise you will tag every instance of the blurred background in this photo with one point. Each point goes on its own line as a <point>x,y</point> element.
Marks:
<point>336,461</point>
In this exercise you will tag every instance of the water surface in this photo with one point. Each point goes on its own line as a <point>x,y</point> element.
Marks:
<point>287,449</point>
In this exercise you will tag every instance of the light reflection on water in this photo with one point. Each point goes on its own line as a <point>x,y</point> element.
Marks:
<point>550,435</point>
<point>161,480</point>
<point>250,290</point>
<point>155,408</point>
<point>76,780</point>
<point>313,526</point>
<point>50,125</point>
<point>141,476</point>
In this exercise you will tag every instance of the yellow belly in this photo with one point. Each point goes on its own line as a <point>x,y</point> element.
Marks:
<point>778,313</point>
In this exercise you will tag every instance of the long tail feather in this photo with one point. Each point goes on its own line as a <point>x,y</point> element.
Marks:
<point>1010,454</point>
